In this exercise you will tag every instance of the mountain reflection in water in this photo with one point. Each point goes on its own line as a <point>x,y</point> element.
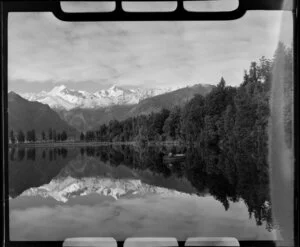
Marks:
<point>132,189</point>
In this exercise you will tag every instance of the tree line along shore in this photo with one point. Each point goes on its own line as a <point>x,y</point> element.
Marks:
<point>235,117</point>
<point>84,143</point>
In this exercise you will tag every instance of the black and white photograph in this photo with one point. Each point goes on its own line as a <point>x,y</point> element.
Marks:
<point>150,128</point>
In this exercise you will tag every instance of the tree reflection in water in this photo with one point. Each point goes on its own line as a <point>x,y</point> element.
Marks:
<point>229,176</point>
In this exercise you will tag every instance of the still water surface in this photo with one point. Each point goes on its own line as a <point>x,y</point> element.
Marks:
<point>129,191</point>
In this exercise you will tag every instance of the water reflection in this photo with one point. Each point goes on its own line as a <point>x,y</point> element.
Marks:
<point>228,177</point>
<point>30,153</point>
<point>32,167</point>
<point>21,154</point>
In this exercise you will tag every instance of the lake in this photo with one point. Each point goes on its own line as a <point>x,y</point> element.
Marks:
<point>133,191</point>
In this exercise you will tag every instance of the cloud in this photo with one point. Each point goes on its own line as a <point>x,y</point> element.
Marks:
<point>43,49</point>
<point>151,216</point>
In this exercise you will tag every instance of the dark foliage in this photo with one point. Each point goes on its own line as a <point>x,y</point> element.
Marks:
<point>227,117</point>
<point>30,136</point>
<point>12,136</point>
<point>21,136</point>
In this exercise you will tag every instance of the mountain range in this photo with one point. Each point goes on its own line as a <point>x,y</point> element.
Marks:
<point>90,118</point>
<point>26,115</point>
<point>60,97</point>
<point>91,168</point>
<point>63,189</point>
<point>63,108</point>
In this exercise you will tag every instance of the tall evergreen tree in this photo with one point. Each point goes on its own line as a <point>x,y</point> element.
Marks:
<point>21,136</point>
<point>82,137</point>
<point>43,136</point>
<point>50,134</point>
<point>33,135</point>
<point>12,137</point>
<point>64,136</point>
<point>172,126</point>
<point>54,136</point>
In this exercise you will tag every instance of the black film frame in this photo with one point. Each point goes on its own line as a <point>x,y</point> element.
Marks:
<point>179,14</point>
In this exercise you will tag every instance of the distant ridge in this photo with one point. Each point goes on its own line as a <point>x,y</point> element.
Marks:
<point>60,97</point>
<point>25,115</point>
<point>88,119</point>
<point>170,99</point>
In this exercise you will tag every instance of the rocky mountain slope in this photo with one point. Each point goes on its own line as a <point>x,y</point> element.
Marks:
<point>88,119</point>
<point>26,115</point>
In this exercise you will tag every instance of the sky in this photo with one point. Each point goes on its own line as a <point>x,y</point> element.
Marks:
<point>44,51</point>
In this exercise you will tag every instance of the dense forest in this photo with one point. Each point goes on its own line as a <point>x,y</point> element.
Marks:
<point>227,116</point>
<point>51,136</point>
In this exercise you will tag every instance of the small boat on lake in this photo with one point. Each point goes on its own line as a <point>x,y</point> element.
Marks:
<point>174,157</point>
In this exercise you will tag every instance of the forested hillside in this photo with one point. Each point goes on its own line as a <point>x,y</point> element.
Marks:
<point>169,100</point>
<point>33,119</point>
<point>235,117</point>
<point>88,119</point>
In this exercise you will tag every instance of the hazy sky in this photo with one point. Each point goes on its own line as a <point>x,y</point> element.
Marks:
<point>44,51</point>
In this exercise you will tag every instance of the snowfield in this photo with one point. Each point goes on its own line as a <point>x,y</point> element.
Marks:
<point>60,97</point>
<point>64,189</point>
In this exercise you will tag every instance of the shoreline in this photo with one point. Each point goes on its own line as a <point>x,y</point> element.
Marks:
<point>84,144</point>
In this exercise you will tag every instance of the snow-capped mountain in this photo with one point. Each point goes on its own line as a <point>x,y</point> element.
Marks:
<point>60,97</point>
<point>65,188</point>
